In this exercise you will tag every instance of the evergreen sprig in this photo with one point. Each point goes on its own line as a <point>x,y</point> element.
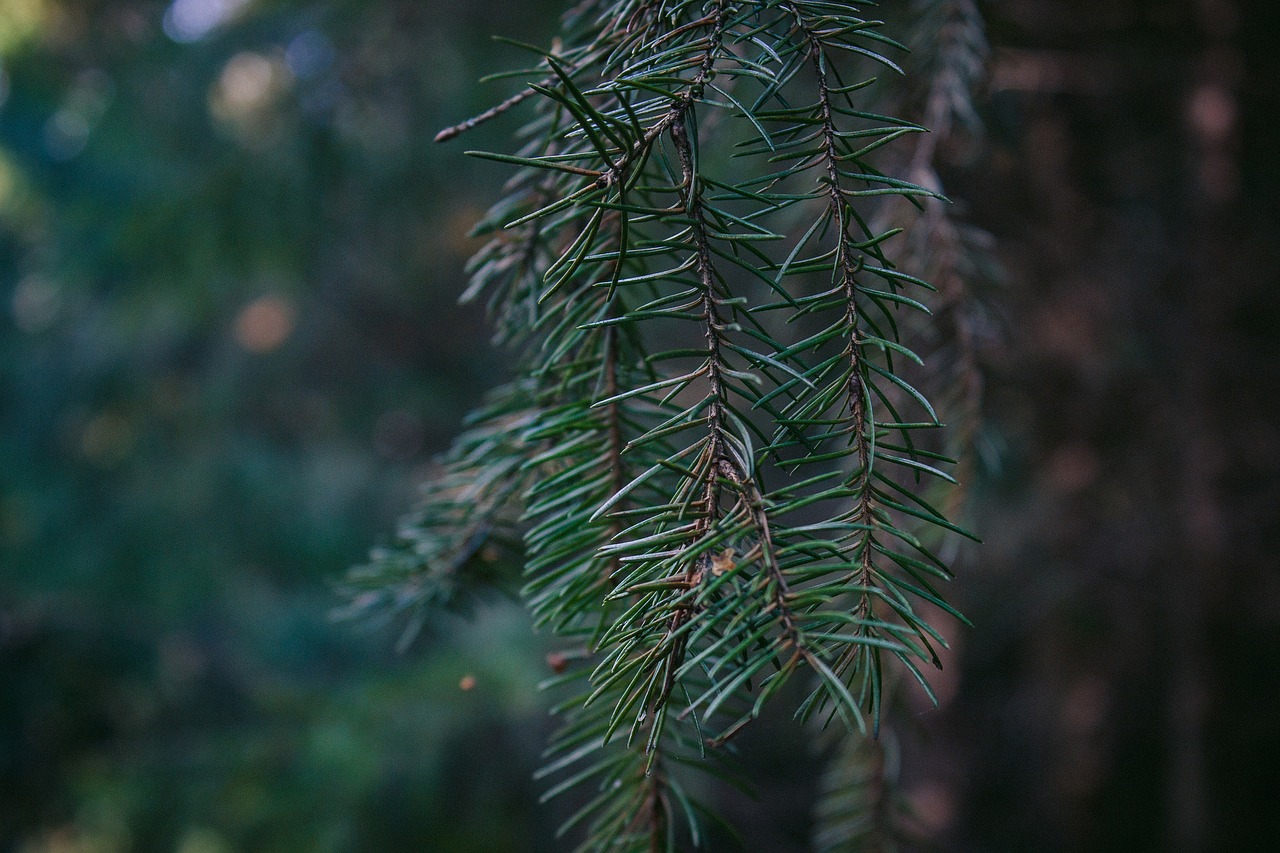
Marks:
<point>862,806</point>
<point>719,464</point>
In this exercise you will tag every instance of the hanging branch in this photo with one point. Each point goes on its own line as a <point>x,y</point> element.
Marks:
<point>717,457</point>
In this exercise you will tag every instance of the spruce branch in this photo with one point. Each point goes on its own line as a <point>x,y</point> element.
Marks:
<point>861,807</point>
<point>721,468</point>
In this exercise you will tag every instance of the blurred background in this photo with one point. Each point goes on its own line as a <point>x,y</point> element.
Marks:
<point>229,257</point>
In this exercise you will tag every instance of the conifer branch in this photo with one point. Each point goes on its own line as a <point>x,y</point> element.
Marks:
<point>719,466</point>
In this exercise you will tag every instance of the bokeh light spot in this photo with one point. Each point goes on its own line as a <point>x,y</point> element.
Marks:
<point>36,302</point>
<point>264,324</point>
<point>191,20</point>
